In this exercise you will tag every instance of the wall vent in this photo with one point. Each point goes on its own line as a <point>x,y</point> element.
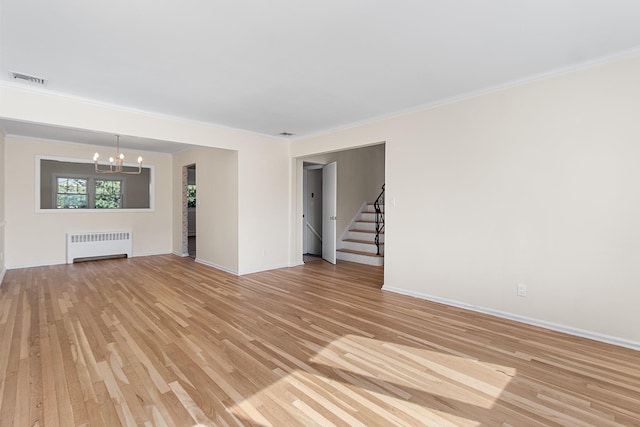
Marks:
<point>27,78</point>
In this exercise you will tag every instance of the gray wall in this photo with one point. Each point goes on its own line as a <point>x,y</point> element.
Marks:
<point>313,210</point>
<point>191,212</point>
<point>136,187</point>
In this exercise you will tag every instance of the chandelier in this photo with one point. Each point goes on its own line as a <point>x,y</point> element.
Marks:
<point>116,164</point>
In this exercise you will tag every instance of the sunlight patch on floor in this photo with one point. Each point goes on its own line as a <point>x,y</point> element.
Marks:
<point>297,393</point>
<point>417,371</point>
<point>394,382</point>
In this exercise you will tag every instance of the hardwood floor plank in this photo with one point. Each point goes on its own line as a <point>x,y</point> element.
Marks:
<point>35,367</point>
<point>187,402</point>
<point>164,341</point>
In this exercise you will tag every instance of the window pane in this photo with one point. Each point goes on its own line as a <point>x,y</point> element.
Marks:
<point>72,193</point>
<point>72,185</point>
<point>108,194</point>
<point>72,201</point>
<point>108,187</point>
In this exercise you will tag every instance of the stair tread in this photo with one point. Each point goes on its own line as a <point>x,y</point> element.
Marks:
<point>369,242</point>
<point>359,253</point>
<point>364,231</point>
<point>369,221</point>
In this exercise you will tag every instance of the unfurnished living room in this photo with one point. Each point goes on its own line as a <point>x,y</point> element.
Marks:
<point>285,213</point>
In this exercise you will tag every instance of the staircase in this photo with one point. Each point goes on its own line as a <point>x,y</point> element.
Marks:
<point>358,244</point>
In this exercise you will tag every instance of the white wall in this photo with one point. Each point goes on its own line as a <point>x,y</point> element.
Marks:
<point>217,211</point>
<point>263,207</point>
<point>38,238</point>
<point>535,184</point>
<point>264,186</point>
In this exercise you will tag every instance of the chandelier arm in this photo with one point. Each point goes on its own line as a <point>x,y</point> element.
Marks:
<point>116,165</point>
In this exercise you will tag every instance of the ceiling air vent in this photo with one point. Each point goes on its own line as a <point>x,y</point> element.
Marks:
<point>27,78</point>
<point>286,134</point>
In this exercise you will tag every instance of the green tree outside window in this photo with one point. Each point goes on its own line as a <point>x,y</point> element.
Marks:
<point>108,194</point>
<point>191,195</point>
<point>72,193</point>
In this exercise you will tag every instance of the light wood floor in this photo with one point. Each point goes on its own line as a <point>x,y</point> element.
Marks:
<point>165,341</point>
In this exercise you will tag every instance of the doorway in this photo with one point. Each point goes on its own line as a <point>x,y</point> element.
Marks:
<point>319,212</point>
<point>359,179</point>
<point>312,212</point>
<point>189,208</point>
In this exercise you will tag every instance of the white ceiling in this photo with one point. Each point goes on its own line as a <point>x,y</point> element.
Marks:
<point>300,66</point>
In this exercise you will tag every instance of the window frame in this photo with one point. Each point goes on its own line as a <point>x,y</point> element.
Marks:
<point>91,190</point>
<point>54,189</point>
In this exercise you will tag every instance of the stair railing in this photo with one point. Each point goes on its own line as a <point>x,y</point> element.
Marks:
<point>379,218</point>
<point>313,230</point>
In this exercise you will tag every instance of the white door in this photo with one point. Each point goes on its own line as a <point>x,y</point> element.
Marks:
<point>329,202</point>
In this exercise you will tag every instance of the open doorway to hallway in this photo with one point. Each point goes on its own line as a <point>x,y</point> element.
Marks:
<point>359,230</point>
<point>189,204</point>
<point>312,212</point>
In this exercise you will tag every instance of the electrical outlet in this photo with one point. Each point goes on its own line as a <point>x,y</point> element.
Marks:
<point>522,290</point>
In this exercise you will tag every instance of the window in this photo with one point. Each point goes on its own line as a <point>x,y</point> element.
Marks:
<point>83,193</point>
<point>108,194</point>
<point>191,196</point>
<point>72,193</point>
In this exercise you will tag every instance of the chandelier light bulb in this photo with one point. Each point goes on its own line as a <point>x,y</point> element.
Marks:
<point>139,159</point>
<point>96,156</point>
<point>110,159</point>
<point>121,156</point>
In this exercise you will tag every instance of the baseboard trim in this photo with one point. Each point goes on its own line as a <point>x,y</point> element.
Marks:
<point>2,273</point>
<point>260,270</point>
<point>45,264</point>
<point>620,342</point>
<point>216,266</point>
<point>181,254</point>
<point>150,254</point>
<point>237,273</point>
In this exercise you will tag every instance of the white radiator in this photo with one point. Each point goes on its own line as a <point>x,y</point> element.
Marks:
<point>99,244</point>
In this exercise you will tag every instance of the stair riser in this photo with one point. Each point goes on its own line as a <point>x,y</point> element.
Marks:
<point>371,208</point>
<point>369,237</point>
<point>362,259</point>
<point>371,226</point>
<point>369,216</point>
<point>362,247</point>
